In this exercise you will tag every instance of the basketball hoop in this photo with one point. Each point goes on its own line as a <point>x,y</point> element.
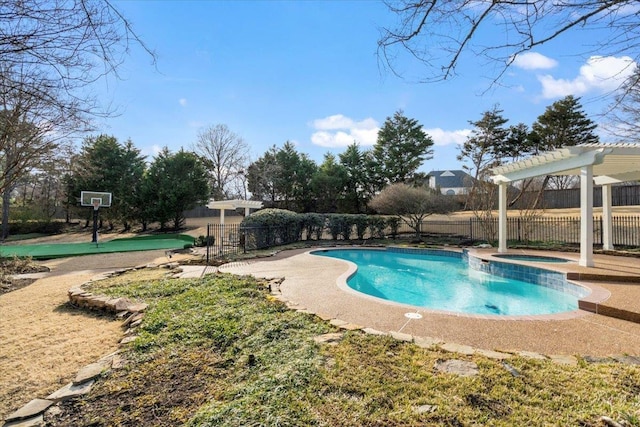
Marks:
<point>96,202</point>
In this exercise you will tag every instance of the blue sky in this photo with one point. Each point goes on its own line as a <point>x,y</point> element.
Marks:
<point>307,72</point>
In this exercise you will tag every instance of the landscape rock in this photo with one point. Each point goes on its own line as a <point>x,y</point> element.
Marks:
<point>127,340</point>
<point>70,390</point>
<point>401,337</point>
<point>531,355</point>
<point>37,421</point>
<point>337,322</point>
<point>372,331</point>
<point>493,354</point>
<point>31,409</point>
<point>458,348</point>
<point>629,360</point>
<point>426,342</point>
<point>562,359</point>
<point>457,367</point>
<point>425,409</point>
<point>90,372</point>
<point>330,338</point>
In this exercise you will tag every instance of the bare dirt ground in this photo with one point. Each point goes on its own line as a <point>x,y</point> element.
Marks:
<point>44,341</point>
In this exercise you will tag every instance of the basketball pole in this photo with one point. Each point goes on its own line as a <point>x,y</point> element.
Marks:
<point>95,226</point>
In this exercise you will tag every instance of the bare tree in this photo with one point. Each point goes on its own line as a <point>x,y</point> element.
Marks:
<point>51,52</point>
<point>411,204</point>
<point>71,44</point>
<point>439,33</point>
<point>226,156</point>
<point>625,111</point>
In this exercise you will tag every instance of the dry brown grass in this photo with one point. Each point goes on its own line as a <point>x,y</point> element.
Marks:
<point>44,341</point>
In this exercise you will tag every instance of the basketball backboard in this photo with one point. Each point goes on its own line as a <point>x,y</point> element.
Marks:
<point>95,198</point>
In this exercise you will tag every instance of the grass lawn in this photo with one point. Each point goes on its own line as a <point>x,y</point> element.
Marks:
<point>221,351</point>
<point>59,250</point>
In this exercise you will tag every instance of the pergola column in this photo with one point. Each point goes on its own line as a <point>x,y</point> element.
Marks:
<point>607,227</point>
<point>502,217</point>
<point>221,216</point>
<point>586,216</point>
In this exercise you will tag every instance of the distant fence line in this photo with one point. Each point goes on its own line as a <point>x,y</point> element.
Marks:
<point>233,239</point>
<point>621,195</point>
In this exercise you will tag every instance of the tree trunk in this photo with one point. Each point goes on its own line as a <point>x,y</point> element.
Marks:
<point>6,200</point>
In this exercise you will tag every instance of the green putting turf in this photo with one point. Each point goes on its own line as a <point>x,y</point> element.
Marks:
<point>60,250</point>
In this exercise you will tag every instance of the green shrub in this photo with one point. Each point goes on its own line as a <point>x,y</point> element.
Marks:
<point>313,225</point>
<point>394,224</point>
<point>335,225</point>
<point>272,227</point>
<point>361,223</point>
<point>41,227</point>
<point>204,241</point>
<point>377,226</point>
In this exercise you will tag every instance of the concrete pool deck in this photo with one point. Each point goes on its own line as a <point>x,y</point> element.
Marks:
<point>312,282</point>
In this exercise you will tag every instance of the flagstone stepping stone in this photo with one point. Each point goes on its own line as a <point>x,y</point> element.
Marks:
<point>330,338</point>
<point>462,368</point>
<point>629,360</point>
<point>371,331</point>
<point>90,372</point>
<point>36,421</point>
<point>31,409</point>
<point>425,409</point>
<point>493,354</point>
<point>401,337</point>
<point>70,390</point>
<point>531,355</point>
<point>562,359</point>
<point>426,342</point>
<point>458,348</point>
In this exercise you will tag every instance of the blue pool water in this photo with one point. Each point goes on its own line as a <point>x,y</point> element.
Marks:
<point>447,283</point>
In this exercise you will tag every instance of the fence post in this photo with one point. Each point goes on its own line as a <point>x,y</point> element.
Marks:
<point>470,228</point>
<point>519,231</point>
<point>208,245</point>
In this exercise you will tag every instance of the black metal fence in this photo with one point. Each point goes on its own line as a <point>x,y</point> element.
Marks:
<point>625,229</point>
<point>232,239</point>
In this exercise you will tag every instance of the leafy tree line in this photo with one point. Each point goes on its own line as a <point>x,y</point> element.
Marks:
<point>347,183</point>
<point>141,193</point>
<point>291,180</point>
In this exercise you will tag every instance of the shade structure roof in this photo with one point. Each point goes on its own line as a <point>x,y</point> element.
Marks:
<point>234,204</point>
<point>611,163</point>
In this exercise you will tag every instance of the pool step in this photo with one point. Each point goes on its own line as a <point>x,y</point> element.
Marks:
<point>609,311</point>
<point>596,277</point>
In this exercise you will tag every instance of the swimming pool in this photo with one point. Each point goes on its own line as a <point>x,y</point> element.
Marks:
<point>443,280</point>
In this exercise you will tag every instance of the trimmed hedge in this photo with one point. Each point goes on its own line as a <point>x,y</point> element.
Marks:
<point>271,227</point>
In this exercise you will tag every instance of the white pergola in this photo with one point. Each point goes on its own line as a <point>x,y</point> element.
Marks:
<point>602,164</point>
<point>233,205</point>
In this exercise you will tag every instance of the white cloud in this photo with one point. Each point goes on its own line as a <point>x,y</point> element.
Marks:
<point>600,73</point>
<point>534,61</point>
<point>446,137</point>
<point>340,131</point>
<point>183,102</point>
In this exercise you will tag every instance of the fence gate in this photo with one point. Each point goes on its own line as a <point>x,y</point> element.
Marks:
<point>224,240</point>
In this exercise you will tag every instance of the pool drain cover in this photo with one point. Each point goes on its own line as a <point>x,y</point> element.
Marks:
<point>413,315</point>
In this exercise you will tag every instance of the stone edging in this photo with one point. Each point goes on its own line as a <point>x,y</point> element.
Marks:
<point>431,343</point>
<point>32,414</point>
